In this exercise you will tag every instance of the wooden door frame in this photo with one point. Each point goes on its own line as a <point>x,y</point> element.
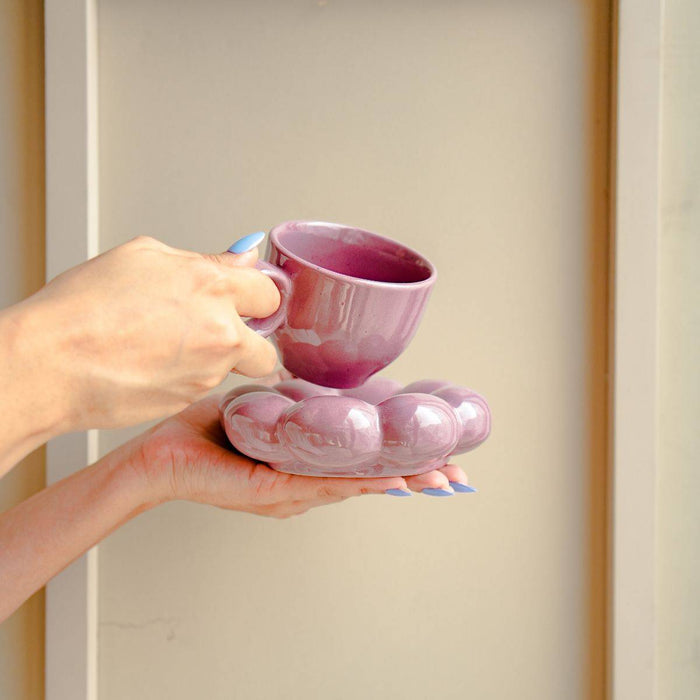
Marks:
<point>72,237</point>
<point>634,319</point>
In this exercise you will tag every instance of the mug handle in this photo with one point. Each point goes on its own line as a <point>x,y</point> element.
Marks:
<point>267,326</point>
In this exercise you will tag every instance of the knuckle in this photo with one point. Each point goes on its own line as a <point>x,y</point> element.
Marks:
<point>142,241</point>
<point>219,335</point>
<point>216,279</point>
<point>212,381</point>
<point>204,279</point>
<point>231,338</point>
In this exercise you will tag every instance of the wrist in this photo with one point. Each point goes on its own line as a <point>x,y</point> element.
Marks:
<point>33,405</point>
<point>37,377</point>
<point>137,492</point>
<point>144,469</point>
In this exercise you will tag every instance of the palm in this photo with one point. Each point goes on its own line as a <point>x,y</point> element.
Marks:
<point>202,466</point>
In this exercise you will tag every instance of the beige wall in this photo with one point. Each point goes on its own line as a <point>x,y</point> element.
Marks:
<point>190,634</point>
<point>678,545</point>
<point>21,273</point>
<point>476,132</point>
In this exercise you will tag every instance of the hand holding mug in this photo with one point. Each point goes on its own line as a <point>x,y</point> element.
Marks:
<point>141,331</point>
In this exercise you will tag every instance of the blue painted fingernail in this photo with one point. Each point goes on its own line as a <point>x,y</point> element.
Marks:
<point>247,243</point>
<point>462,488</point>
<point>437,492</point>
<point>397,492</point>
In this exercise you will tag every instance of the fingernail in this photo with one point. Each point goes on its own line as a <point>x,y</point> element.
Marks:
<point>397,492</point>
<point>462,488</point>
<point>437,492</point>
<point>247,243</point>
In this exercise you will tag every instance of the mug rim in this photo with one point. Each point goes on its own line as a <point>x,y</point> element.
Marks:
<point>287,225</point>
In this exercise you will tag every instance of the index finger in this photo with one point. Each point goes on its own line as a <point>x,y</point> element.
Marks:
<point>330,489</point>
<point>255,294</point>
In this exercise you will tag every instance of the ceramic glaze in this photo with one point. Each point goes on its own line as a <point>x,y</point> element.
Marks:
<point>351,300</point>
<point>417,430</point>
<point>332,430</point>
<point>377,430</point>
<point>254,423</point>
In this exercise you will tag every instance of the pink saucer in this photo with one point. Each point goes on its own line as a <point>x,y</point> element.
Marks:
<point>378,429</point>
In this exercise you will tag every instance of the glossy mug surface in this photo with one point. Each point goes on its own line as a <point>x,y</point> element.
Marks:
<point>351,300</point>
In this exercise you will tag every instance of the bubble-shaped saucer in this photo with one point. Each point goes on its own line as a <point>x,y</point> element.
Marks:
<point>378,429</point>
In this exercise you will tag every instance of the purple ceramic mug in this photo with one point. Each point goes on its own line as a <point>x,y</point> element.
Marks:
<point>351,300</point>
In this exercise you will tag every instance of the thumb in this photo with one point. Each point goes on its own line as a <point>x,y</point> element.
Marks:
<point>243,253</point>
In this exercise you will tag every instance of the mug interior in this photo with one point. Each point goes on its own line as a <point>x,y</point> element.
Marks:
<point>352,252</point>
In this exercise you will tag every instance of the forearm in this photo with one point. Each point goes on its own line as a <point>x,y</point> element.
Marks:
<point>32,395</point>
<point>42,535</point>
